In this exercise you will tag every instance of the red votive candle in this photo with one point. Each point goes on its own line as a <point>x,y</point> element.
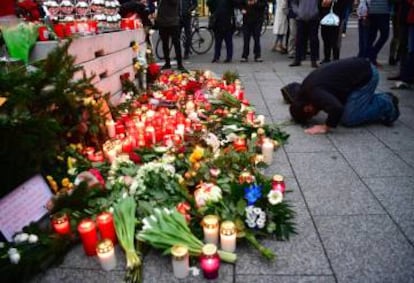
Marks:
<point>278,183</point>
<point>61,224</point>
<point>105,222</point>
<point>210,261</point>
<point>239,144</point>
<point>89,237</point>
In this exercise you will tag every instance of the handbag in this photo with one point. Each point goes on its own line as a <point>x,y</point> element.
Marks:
<point>331,19</point>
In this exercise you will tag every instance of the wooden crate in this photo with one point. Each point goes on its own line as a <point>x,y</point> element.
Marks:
<point>107,56</point>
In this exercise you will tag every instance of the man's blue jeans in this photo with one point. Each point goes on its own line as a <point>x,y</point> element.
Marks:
<point>365,106</point>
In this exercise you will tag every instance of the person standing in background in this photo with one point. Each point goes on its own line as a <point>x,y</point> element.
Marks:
<point>168,22</point>
<point>253,16</point>
<point>379,22</point>
<point>331,35</point>
<point>223,27</point>
<point>187,7</point>
<point>280,26</point>
<point>291,40</point>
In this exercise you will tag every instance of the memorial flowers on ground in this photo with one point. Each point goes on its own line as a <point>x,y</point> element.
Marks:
<point>186,149</point>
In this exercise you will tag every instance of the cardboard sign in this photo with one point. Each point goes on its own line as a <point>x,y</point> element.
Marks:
<point>25,204</point>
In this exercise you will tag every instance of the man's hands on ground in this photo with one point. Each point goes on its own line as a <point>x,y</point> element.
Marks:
<point>317,129</point>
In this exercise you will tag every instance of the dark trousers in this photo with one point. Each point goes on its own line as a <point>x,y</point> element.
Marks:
<point>307,30</point>
<point>407,69</point>
<point>227,36</point>
<point>186,26</point>
<point>172,32</point>
<point>363,44</point>
<point>331,42</point>
<point>252,30</point>
<point>377,23</point>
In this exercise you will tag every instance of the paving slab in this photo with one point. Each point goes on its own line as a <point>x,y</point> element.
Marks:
<point>399,137</point>
<point>397,197</point>
<point>367,248</point>
<point>300,142</point>
<point>245,278</point>
<point>76,275</point>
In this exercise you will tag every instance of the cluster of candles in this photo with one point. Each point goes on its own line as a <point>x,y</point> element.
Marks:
<point>209,258</point>
<point>88,232</point>
<point>267,148</point>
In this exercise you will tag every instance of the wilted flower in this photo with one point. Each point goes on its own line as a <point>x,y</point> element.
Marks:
<point>14,257</point>
<point>33,238</point>
<point>20,238</point>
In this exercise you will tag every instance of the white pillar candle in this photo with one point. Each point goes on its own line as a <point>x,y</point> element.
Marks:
<point>180,130</point>
<point>211,229</point>
<point>267,151</point>
<point>228,236</point>
<point>110,128</point>
<point>106,254</point>
<point>180,261</point>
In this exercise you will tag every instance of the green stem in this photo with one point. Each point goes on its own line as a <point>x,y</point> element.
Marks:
<point>267,253</point>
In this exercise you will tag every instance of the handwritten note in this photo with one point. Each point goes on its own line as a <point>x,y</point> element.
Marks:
<point>25,204</point>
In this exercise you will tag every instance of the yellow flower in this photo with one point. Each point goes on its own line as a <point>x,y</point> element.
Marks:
<point>65,182</point>
<point>70,162</point>
<point>197,154</point>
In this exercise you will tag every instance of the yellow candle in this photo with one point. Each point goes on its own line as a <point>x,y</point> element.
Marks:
<point>228,236</point>
<point>211,229</point>
<point>106,254</point>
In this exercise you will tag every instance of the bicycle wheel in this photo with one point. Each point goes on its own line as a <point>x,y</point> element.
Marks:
<point>202,40</point>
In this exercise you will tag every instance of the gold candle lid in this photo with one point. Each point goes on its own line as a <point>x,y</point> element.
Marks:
<point>179,252</point>
<point>278,178</point>
<point>104,246</point>
<point>227,228</point>
<point>210,221</point>
<point>59,218</point>
<point>209,249</point>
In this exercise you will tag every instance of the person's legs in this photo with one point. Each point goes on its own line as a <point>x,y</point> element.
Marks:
<point>175,36</point>
<point>407,69</point>
<point>363,31</point>
<point>314,39</point>
<point>247,31</point>
<point>187,31</point>
<point>228,38</point>
<point>291,44</point>
<point>256,38</point>
<point>382,24</point>
<point>325,34</point>
<point>366,106</point>
<point>165,39</point>
<point>218,37</point>
<point>300,41</point>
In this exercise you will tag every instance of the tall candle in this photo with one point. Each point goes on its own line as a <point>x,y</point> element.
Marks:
<point>150,135</point>
<point>88,235</point>
<point>61,224</point>
<point>267,151</point>
<point>110,128</point>
<point>210,261</point>
<point>228,236</point>
<point>180,261</point>
<point>106,254</point>
<point>105,223</point>
<point>211,229</point>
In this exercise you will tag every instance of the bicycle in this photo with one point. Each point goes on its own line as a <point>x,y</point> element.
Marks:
<point>201,39</point>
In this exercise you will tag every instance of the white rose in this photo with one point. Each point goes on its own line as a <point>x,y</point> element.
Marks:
<point>33,239</point>
<point>12,251</point>
<point>257,210</point>
<point>14,258</point>
<point>275,197</point>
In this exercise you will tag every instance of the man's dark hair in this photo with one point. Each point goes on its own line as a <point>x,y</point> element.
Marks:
<point>297,111</point>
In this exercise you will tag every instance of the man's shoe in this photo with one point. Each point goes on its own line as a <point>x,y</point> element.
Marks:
<point>394,78</point>
<point>324,61</point>
<point>401,85</point>
<point>295,64</point>
<point>395,102</point>
<point>244,60</point>
<point>182,69</point>
<point>258,59</point>
<point>214,60</point>
<point>227,61</point>
<point>166,67</point>
<point>314,64</point>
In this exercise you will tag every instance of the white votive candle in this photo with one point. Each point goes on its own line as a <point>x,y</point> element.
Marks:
<point>267,151</point>
<point>211,229</point>
<point>228,236</point>
<point>106,254</point>
<point>180,261</point>
<point>110,128</point>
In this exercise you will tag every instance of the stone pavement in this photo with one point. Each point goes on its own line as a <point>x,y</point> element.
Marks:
<point>353,191</point>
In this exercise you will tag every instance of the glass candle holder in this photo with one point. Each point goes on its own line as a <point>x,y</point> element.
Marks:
<point>106,254</point>
<point>88,235</point>
<point>61,223</point>
<point>105,223</point>
<point>210,225</point>
<point>180,261</point>
<point>210,261</point>
<point>278,183</point>
<point>228,236</point>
